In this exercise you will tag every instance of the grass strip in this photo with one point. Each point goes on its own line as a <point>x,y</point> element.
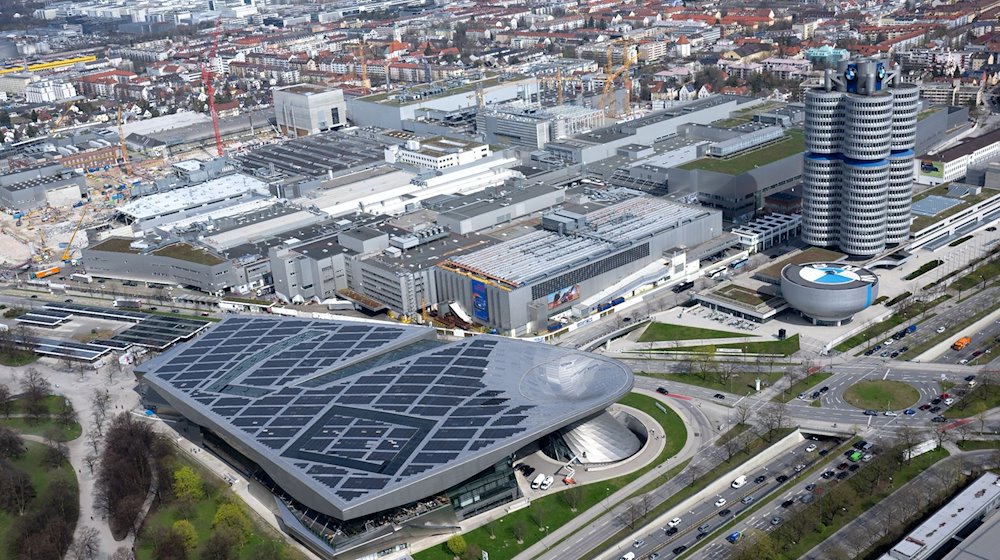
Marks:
<point>802,386</point>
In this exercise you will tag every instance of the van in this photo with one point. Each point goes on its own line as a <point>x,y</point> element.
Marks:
<point>628,556</point>
<point>972,383</point>
<point>537,482</point>
<point>961,343</point>
<point>739,482</point>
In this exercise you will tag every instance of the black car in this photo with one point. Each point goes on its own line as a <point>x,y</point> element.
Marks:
<point>970,377</point>
<point>670,531</point>
<point>991,228</point>
<point>853,467</point>
<point>34,296</point>
<point>787,503</point>
<point>871,412</point>
<point>810,487</point>
<point>725,512</point>
<point>823,452</point>
<point>869,352</point>
<point>935,409</point>
<point>760,479</point>
<point>939,419</point>
<point>824,389</point>
<point>719,396</point>
<point>662,391</point>
<point>700,536</point>
<point>815,395</point>
<point>894,354</point>
<point>781,478</point>
<point>935,401</point>
<point>828,475</point>
<point>680,549</point>
<point>842,475</point>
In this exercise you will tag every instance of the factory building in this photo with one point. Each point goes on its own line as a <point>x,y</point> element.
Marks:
<point>305,109</point>
<point>437,153</point>
<point>530,126</point>
<point>517,285</point>
<point>52,185</point>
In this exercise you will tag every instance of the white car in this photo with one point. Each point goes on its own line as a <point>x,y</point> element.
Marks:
<point>888,342</point>
<point>674,522</point>
<point>890,413</point>
<point>799,468</point>
<point>940,330</point>
<point>720,502</point>
<point>811,448</point>
<point>949,401</point>
<point>546,483</point>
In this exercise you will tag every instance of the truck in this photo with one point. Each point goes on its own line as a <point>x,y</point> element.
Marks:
<point>618,301</point>
<point>81,277</point>
<point>604,306</point>
<point>128,303</point>
<point>552,327</point>
<point>47,272</point>
<point>961,343</point>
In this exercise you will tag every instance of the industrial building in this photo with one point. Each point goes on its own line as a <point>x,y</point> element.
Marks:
<point>517,285</point>
<point>390,110</point>
<point>46,184</point>
<point>372,435</point>
<point>952,164</point>
<point>437,153</point>
<point>531,126</point>
<point>860,130</point>
<point>148,211</point>
<point>305,109</point>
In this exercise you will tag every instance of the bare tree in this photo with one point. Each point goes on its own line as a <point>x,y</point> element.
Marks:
<point>726,371</point>
<point>86,546</point>
<point>732,446</point>
<point>537,514</point>
<point>964,430</point>
<point>91,460</point>
<point>94,438</point>
<point>34,388</point>
<point>942,435</point>
<point>692,473</point>
<point>743,411</point>
<point>630,515</point>
<point>572,497</point>
<point>99,408</point>
<point>5,400</point>
<point>123,554</point>
<point>772,417</point>
<point>909,437</point>
<point>518,529</point>
<point>114,368</point>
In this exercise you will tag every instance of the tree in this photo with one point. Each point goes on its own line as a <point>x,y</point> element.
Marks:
<point>34,115</point>
<point>123,554</point>
<point>744,411</point>
<point>168,544</point>
<point>11,445</point>
<point>87,544</point>
<point>16,489</point>
<point>5,399</point>
<point>34,388</point>
<point>187,533</point>
<point>537,514</point>
<point>222,545</point>
<point>773,418</point>
<point>188,485</point>
<point>67,415</point>
<point>456,544</point>
<point>473,552</point>
<point>572,497</point>
<point>231,517</point>
<point>99,408</point>
<point>517,529</point>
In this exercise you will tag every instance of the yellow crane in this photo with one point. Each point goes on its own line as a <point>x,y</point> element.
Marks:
<point>607,96</point>
<point>121,138</point>
<point>69,244</point>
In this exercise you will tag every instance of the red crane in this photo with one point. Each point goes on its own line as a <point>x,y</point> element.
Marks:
<point>206,77</point>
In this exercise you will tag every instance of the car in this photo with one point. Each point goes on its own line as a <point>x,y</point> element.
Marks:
<point>909,412</point>
<point>939,419</point>
<point>977,353</point>
<point>787,503</point>
<point>734,536</point>
<point>747,500</point>
<point>811,448</point>
<point>970,377</point>
<point>945,395</point>
<point>34,296</point>
<point>638,544</point>
<point>843,466</point>
<point>175,310</point>
<point>776,520</point>
<point>760,479</point>
<point>815,395</point>
<point>720,502</point>
<point>824,389</point>
<point>925,407</point>
<point>935,409</point>
<point>991,228</point>
<point>670,531</point>
<point>853,467</point>
<point>869,352</point>
<point>653,556</point>
<point>662,391</point>
<point>877,348</point>
<point>674,522</point>
<point>679,550</point>
<point>894,354</point>
<point>949,401</point>
<point>781,478</point>
<point>828,475</point>
<point>823,452</point>
<point>939,330</point>
<point>936,400</point>
<point>153,308</point>
<point>725,512</point>
<point>884,354</point>
<point>528,471</point>
<point>628,556</point>
<point>806,498</point>
<point>719,396</point>
<point>68,300</point>
<point>904,349</point>
<point>810,487</point>
<point>842,475</point>
<point>871,412</point>
<point>867,457</point>
<point>704,528</point>
<point>546,483</point>
<point>888,341</point>
<point>963,361</point>
<point>800,467</point>
<point>890,413</point>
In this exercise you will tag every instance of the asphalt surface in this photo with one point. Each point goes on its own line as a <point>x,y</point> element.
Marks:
<point>704,518</point>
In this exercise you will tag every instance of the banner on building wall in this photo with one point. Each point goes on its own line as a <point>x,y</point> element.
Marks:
<point>480,306</point>
<point>564,295</point>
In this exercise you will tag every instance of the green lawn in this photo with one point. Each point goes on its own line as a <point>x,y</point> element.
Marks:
<point>785,347</point>
<point>657,332</point>
<point>881,395</point>
<point>18,358</point>
<point>555,511</point>
<point>32,463</point>
<point>924,269</point>
<point>975,445</point>
<point>43,426</point>
<point>802,386</point>
<point>737,383</point>
<point>54,404</point>
<point>975,401</point>
<point>166,512</point>
<point>872,332</point>
<point>733,432</point>
<point>984,273</point>
<point>791,145</point>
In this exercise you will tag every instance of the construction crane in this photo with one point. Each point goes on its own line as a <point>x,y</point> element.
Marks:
<point>124,148</point>
<point>69,244</point>
<point>206,78</point>
<point>607,96</point>
<point>366,84</point>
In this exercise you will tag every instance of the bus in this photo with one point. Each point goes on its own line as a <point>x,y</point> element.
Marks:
<point>961,343</point>
<point>739,264</point>
<point>47,272</point>
<point>715,272</point>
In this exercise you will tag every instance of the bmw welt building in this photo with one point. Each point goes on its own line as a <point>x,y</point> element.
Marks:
<point>370,435</point>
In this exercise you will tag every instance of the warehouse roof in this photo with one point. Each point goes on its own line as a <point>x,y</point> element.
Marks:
<point>220,188</point>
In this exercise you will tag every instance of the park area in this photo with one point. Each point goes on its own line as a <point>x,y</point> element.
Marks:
<point>661,332</point>
<point>881,395</point>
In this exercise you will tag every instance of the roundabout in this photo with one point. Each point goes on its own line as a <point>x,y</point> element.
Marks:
<point>881,395</point>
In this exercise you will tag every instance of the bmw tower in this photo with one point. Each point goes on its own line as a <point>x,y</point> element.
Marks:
<point>860,126</point>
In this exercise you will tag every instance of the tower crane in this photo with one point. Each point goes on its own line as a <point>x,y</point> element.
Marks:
<point>69,245</point>
<point>121,140</point>
<point>607,96</point>
<point>206,78</point>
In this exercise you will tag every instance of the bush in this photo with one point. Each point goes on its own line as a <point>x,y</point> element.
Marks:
<point>898,299</point>
<point>188,485</point>
<point>230,517</point>
<point>456,545</point>
<point>186,531</point>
